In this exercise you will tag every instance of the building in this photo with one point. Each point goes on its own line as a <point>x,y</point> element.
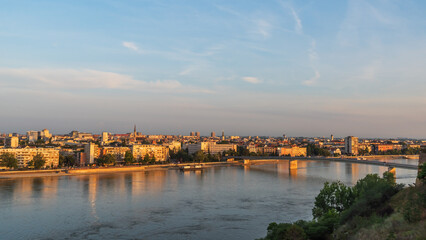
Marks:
<point>174,146</point>
<point>262,150</point>
<point>104,139</point>
<point>44,134</point>
<point>210,147</point>
<point>351,145</point>
<point>12,142</point>
<point>118,152</point>
<point>213,134</point>
<point>25,155</point>
<point>161,153</point>
<point>378,148</point>
<point>292,151</point>
<point>92,152</point>
<point>197,134</point>
<point>32,136</point>
<point>191,134</point>
<point>80,159</point>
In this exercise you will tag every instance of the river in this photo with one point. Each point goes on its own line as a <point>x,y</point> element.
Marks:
<point>233,202</point>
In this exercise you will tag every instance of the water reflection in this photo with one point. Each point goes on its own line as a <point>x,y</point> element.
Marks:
<point>222,202</point>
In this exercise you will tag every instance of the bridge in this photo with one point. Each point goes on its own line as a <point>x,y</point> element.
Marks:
<point>252,159</point>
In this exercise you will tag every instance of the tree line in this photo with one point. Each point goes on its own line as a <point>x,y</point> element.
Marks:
<point>338,204</point>
<point>9,160</point>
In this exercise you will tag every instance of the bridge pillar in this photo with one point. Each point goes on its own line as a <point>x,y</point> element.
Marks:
<point>393,171</point>
<point>292,164</point>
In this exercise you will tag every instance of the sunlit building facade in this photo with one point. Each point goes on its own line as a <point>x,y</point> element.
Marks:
<point>25,155</point>
<point>161,153</point>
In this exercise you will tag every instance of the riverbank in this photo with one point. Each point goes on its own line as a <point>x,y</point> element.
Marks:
<point>102,170</point>
<point>387,157</point>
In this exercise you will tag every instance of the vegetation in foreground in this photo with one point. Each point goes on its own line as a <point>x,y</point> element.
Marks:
<point>375,208</point>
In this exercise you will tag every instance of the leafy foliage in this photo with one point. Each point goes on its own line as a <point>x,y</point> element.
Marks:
<point>336,204</point>
<point>106,159</point>
<point>200,156</point>
<point>181,156</point>
<point>128,158</point>
<point>37,162</point>
<point>314,150</point>
<point>8,160</point>
<point>334,196</point>
<point>66,161</point>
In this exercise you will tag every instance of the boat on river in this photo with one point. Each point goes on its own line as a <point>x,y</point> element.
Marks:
<point>191,167</point>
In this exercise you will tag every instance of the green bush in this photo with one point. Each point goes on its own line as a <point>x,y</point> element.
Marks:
<point>336,204</point>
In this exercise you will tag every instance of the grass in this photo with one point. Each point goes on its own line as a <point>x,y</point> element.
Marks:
<point>394,226</point>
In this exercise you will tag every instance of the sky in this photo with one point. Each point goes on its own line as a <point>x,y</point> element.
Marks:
<point>267,68</point>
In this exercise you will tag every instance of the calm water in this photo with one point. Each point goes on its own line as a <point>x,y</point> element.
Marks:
<point>217,203</point>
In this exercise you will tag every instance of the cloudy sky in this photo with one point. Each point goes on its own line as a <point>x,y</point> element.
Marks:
<point>303,68</point>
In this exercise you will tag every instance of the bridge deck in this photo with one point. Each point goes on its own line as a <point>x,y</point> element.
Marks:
<point>350,160</point>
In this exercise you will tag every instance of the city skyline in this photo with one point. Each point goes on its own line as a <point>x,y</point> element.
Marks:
<point>247,67</point>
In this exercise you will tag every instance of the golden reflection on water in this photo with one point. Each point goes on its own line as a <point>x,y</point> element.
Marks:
<point>41,189</point>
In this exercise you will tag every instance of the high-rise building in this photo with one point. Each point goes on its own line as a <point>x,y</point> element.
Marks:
<point>191,134</point>
<point>223,135</point>
<point>45,134</point>
<point>91,151</point>
<point>351,145</point>
<point>104,137</point>
<point>197,134</point>
<point>331,137</point>
<point>12,142</point>
<point>32,136</point>
<point>213,134</point>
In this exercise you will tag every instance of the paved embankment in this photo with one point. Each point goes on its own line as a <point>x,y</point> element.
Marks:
<point>100,170</point>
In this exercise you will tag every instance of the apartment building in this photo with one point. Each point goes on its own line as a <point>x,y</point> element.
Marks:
<point>25,155</point>
<point>210,147</point>
<point>293,151</point>
<point>119,152</point>
<point>161,153</point>
<point>351,145</point>
<point>92,152</point>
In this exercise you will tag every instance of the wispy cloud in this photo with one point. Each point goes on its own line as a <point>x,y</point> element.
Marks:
<point>297,22</point>
<point>313,55</point>
<point>263,27</point>
<point>131,46</point>
<point>85,79</point>
<point>312,81</point>
<point>252,80</point>
<point>362,21</point>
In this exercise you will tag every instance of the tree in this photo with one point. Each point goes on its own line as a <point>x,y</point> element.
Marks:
<point>8,160</point>
<point>128,158</point>
<point>199,156</point>
<point>146,158</point>
<point>364,151</point>
<point>422,173</point>
<point>38,161</point>
<point>106,159</point>
<point>314,150</point>
<point>153,159</point>
<point>335,197</point>
<point>66,161</point>
<point>182,156</point>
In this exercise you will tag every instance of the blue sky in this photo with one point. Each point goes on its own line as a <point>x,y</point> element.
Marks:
<point>310,68</point>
